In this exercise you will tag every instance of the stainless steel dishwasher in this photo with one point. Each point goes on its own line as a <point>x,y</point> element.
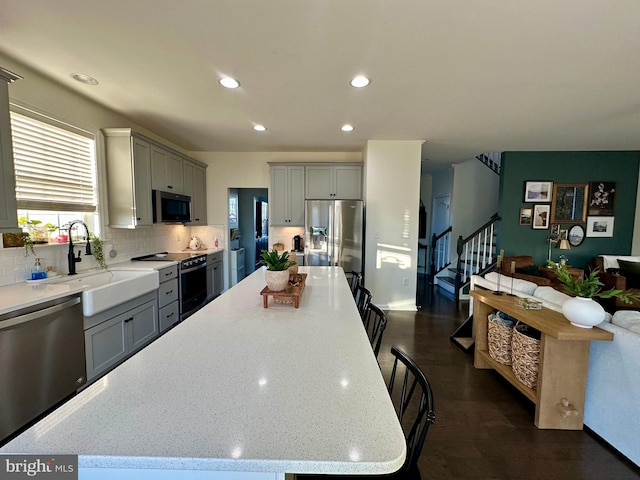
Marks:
<point>42,360</point>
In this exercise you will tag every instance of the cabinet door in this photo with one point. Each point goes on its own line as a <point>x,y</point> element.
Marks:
<point>199,196</point>
<point>279,194</point>
<point>218,278</point>
<point>142,185</point>
<point>8,208</point>
<point>319,183</point>
<point>347,182</point>
<point>158,170</point>
<point>105,346</point>
<point>173,169</point>
<point>142,324</point>
<point>296,196</point>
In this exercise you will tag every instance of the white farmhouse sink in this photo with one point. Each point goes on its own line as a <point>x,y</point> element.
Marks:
<point>108,289</point>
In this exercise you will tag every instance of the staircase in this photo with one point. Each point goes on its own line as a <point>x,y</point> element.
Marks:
<point>476,255</point>
<point>491,160</point>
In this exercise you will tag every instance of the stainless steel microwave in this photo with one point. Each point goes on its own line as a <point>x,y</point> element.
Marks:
<point>171,208</point>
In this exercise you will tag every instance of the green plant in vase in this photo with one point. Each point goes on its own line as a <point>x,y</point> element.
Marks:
<point>274,261</point>
<point>38,231</point>
<point>97,250</point>
<point>277,274</point>
<point>582,310</point>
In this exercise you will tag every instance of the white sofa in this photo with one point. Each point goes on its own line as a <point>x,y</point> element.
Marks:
<point>612,402</point>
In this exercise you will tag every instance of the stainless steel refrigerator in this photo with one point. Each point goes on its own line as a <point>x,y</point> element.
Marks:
<point>334,233</point>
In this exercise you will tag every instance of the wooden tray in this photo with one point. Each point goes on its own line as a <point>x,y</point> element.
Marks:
<point>291,294</point>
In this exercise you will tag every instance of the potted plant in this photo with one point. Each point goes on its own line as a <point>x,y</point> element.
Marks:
<point>97,250</point>
<point>582,310</point>
<point>277,274</point>
<point>38,231</point>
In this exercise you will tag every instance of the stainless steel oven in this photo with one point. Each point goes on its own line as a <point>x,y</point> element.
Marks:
<point>193,285</point>
<point>192,271</point>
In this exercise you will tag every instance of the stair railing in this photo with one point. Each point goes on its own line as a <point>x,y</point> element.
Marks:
<point>440,253</point>
<point>476,253</point>
<point>491,160</point>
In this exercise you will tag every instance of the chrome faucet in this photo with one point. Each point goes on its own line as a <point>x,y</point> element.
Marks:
<point>71,257</point>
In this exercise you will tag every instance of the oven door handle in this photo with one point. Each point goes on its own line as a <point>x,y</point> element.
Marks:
<point>192,269</point>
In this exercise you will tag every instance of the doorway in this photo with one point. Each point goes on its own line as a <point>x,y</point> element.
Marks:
<point>252,224</point>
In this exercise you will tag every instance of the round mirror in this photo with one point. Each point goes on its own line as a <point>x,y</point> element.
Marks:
<point>576,235</point>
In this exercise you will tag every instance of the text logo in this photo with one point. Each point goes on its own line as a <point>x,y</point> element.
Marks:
<point>54,467</point>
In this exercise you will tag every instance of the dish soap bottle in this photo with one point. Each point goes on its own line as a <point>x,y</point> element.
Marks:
<point>37,272</point>
<point>216,242</point>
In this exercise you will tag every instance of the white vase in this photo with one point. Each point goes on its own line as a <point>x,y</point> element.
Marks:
<point>583,312</point>
<point>277,280</point>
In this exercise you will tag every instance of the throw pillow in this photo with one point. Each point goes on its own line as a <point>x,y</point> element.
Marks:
<point>631,271</point>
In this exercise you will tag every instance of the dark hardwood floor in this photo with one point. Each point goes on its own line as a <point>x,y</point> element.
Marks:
<point>484,427</point>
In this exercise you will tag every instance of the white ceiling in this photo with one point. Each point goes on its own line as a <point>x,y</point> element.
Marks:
<point>464,76</point>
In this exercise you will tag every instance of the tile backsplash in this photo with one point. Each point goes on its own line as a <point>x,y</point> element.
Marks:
<point>15,266</point>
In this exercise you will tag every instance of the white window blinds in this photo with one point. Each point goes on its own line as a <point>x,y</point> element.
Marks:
<point>54,165</point>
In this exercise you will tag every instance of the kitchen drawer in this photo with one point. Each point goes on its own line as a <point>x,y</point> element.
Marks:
<point>167,293</point>
<point>169,316</point>
<point>168,273</point>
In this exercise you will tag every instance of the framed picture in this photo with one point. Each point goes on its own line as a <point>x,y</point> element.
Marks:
<point>540,217</point>
<point>600,226</point>
<point>537,192</point>
<point>601,198</point>
<point>569,203</point>
<point>564,234</point>
<point>576,235</point>
<point>525,216</point>
<point>555,230</point>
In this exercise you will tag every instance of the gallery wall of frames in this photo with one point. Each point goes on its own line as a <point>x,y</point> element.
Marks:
<point>586,198</point>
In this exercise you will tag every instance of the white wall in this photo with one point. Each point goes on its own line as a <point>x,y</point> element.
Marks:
<point>392,192</point>
<point>474,197</point>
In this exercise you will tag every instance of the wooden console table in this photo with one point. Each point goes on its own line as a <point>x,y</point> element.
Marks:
<point>564,357</point>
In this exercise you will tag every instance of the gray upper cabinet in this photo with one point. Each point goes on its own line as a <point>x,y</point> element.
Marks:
<point>287,195</point>
<point>136,166</point>
<point>8,208</point>
<point>195,185</point>
<point>128,178</point>
<point>166,170</point>
<point>333,182</point>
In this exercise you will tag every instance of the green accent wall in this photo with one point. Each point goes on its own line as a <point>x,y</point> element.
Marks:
<point>566,167</point>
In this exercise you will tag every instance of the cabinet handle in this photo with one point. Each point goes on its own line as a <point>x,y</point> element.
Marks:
<point>169,186</point>
<point>168,274</point>
<point>128,319</point>
<point>170,315</point>
<point>169,292</point>
<point>197,219</point>
<point>137,218</point>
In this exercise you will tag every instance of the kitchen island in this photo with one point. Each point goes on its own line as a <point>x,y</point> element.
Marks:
<point>237,388</point>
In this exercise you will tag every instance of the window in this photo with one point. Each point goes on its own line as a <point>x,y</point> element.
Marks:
<point>55,169</point>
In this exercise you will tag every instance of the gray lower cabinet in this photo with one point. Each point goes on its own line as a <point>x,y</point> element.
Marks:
<point>168,298</point>
<point>215,275</point>
<point>114,338</point>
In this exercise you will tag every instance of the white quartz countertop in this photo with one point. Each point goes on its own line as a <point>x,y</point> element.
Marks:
<point>27,294</point>
<point>237,387</point>
<point>23,295</point>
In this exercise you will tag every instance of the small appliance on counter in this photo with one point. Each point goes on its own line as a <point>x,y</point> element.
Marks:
<point>195,243</point>
<point>297,244</point>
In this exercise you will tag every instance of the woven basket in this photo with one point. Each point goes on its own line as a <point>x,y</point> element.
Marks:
<point>499,340</point>
<point>525,356</point>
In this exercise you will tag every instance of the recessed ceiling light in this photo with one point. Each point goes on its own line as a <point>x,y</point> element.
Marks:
<point>82,78</point>
<point>360,81</point>
<point>228,82</point>
<point>259,128</point>
<point>347,128</point>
